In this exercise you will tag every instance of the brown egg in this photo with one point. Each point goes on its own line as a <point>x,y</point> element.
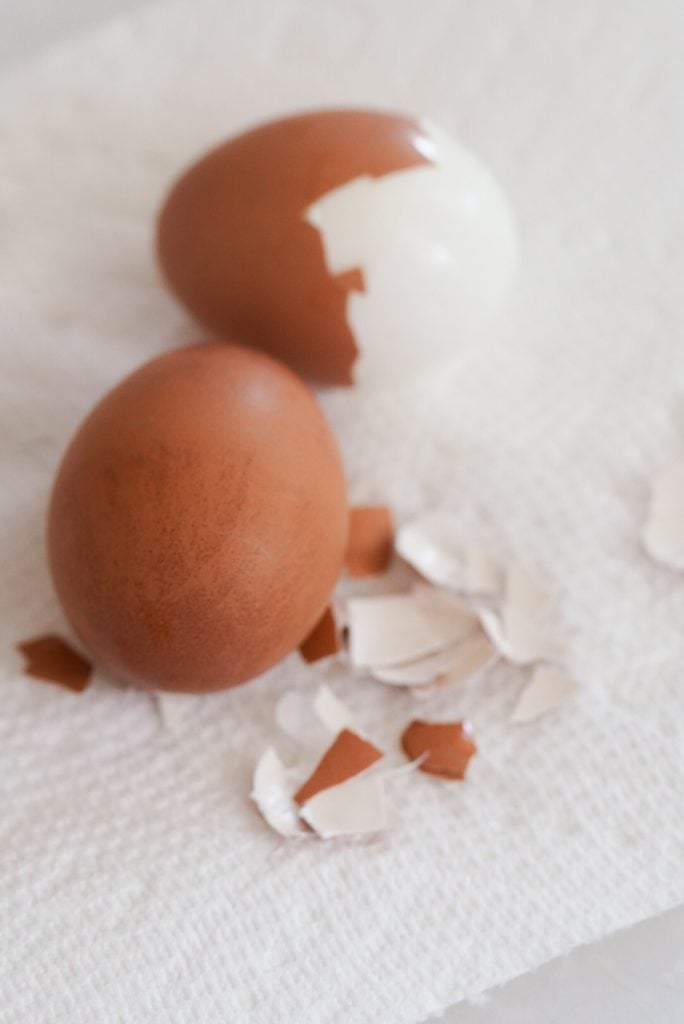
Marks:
<point>237,250</point>
<point>198,520</point>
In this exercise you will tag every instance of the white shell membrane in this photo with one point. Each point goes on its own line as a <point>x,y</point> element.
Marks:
<point>437,247</point>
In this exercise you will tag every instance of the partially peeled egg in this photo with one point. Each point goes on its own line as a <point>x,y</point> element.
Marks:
<point>356,246</point>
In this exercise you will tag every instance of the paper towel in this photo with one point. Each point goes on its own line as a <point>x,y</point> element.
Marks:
<point>137,881</point>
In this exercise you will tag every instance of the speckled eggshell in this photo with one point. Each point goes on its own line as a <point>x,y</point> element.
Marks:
<point>198,520</point>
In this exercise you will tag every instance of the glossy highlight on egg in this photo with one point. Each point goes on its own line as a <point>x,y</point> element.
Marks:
<point>355,245</point>
<point>199,520</point>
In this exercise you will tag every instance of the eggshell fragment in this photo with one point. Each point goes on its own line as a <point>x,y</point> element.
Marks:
<point>53,660</point>
<point>446,747</point>
<point>398,628</point>
<point>475,654</point>
<point>520,632</point>
<point>416,673</point>
<point>529,643</point>
<point>547,689</point>
<point>334,715</point>
<point>311,720</point>
<point>457,664</point>
<point>355,807</point>
<point>371,535</point>
<point>199,520</point>
<point>349,755</point>
<point>324,639</point>
<point>296,717</point>
<point>273,795</point>
<point>663,533</point>
<point>428,544</point>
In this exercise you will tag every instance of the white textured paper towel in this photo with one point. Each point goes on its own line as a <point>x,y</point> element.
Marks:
<point>138,883</point>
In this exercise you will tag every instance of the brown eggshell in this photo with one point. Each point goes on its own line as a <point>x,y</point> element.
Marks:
<point>237,251</point>
<point>349,755</point>
<point>54,660</point>
<point>446,747</point>
<point>371,540</point>
<point>198,521</point>
<point>324,639</point>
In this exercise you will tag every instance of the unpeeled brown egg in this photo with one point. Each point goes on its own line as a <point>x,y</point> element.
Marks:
<point>354,245</point>
<point>199,520</point>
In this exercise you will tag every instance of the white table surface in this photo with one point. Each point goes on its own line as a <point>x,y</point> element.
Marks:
<point>633,977</point>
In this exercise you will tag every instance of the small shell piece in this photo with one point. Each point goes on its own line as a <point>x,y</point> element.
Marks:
<point>334,715</point>
<point>349,755</point>
<point>546,690</point>
<point>53,660</point>
<point>519,632</point>
<point>354,807</point>
<point>371,536</point>
<point>454,664</point>
<point>446,747</point>
<point>427,544</point>
<point>663,534</point>
<point>273,795</point>
<point>398,628</point>
<point>324,639</point>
